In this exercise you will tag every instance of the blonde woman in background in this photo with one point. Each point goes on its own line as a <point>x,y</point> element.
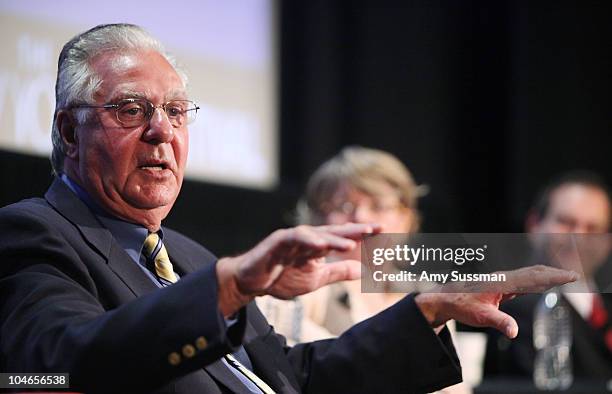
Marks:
<point>359,185</point>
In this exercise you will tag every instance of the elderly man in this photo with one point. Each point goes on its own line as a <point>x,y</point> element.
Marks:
<point>92,285</point>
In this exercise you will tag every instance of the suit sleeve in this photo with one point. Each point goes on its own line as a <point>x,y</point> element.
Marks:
<point>393,352</point>
<point>51,319</point>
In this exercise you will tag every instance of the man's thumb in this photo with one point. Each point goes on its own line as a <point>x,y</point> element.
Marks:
<point>502,322</point>
<point>343,270</point>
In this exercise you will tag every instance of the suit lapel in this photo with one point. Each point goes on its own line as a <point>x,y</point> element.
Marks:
<point>222,373</point>
<point>275,371</point>
<point>75,211</point>
<point>98,237</point>
<point>129,273</point>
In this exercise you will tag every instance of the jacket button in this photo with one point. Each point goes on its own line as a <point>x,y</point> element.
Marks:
<point>188,351</point>
<point>201,343</point>
<point>174,358</point>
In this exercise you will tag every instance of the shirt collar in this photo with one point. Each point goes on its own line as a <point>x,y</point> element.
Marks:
<point>83,195</point>
<point>130,236</point>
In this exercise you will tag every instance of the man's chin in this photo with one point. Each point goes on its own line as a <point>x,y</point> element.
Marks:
<point>153,201</point>
<point>154,204</point>
<point>148,215</point>
<point>152,196</point>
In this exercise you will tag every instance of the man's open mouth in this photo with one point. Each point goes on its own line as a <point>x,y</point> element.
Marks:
<point>154,166</point>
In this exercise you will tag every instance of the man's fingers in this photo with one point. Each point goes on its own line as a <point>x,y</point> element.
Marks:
<point>305,242</point>
<point>501,321</point>
<point>343,270</point>
<point>316,245</point>
<point>351,230</point>
<point>556,277</point>
<point>309,241</point>
<point>509,296</point>
<point>336,242</point>
<point>540,275</point>
<point>535,279</point>
<point>289,262</point>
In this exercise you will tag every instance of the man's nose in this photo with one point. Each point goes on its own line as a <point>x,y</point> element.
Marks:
<point>160,130</point>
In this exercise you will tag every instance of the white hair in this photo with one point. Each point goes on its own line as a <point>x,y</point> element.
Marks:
<point>77,82</point>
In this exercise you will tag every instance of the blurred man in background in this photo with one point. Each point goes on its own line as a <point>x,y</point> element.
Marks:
<point>574,203</point>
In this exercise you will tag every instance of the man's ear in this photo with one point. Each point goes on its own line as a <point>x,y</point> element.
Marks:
<point>66,125</point>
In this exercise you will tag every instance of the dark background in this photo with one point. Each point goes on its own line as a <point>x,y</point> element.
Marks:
<point>483,100</point>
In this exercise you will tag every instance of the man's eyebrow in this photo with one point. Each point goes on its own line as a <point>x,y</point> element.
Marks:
<point>125,94</point>
<point>178,94</point>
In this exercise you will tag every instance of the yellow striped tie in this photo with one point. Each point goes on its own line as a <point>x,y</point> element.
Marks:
<point>250,375</point>
<point>155,251</point>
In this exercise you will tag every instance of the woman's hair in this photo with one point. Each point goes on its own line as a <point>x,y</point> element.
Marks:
<point>364,169</point>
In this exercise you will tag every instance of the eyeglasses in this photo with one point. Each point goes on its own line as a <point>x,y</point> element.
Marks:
<point>349,208</point>
<point>136,112</point>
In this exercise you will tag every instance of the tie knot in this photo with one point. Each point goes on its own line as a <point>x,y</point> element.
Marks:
<point>152,244</point>
<point>157,258</point>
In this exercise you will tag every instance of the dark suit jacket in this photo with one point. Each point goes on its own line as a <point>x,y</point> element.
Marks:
<point>72,300</point>
<point>591,359</point>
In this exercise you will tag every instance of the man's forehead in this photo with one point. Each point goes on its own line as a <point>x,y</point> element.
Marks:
<point>146,75</point>
<point>121,62</point>
<point>579,193</point>
<point>585,201</point>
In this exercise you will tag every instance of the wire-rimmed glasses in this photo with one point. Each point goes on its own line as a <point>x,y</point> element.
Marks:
<point>134,112</point>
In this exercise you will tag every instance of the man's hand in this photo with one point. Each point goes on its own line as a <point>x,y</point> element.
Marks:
<point>481,309</point>
<point>289,263</point>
